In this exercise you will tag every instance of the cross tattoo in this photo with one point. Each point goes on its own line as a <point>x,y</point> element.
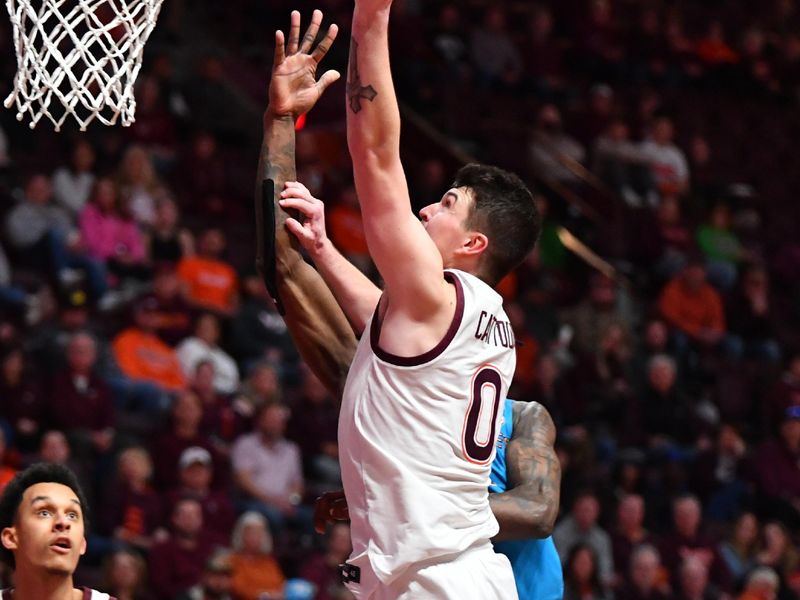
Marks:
<point>355,91</point>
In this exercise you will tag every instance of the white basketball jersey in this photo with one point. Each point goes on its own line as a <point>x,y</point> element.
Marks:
<point>416,437</point>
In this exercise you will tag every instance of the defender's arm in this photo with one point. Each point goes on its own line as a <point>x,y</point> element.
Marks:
<point>530,507</point>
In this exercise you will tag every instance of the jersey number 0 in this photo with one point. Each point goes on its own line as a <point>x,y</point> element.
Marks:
<point>486,385</point>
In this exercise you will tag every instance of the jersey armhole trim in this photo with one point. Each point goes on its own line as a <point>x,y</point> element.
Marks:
<point>420,359</point>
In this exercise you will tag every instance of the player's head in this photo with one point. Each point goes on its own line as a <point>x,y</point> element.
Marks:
<point>43,515</point>
<point>485,224</point>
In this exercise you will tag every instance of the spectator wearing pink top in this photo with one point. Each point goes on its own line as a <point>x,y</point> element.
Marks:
<point>110,235</point>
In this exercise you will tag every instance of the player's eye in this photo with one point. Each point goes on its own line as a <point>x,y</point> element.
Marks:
<point>73,515</point>
<point>43,512</point>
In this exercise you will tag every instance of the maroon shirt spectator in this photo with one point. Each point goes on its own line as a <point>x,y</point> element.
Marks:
<point>22,403</point>
<point>80,399</point>
<point>220,421</point>
<point>687,541</point>
<point>172,313</point>
<point>716,468</point>
<point>201,176</point>
<point>132,511</point>
<point>777,470</point>
<point>176,564</point>
<point>543,57</point>
<point>629,534</point>
<point>323,569</point>
<point>187,414</point>
<point>195,475</point>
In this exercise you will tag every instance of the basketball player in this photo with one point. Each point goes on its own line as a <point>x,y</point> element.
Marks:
<point>422,458</point>
<point>42,516</point>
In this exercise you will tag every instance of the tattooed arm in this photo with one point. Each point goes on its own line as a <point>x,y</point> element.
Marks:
<point>411,266</point>
<point>315,321</point>
<point>530,506</point>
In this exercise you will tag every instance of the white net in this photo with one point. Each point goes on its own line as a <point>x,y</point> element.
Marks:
<point>78,58</point>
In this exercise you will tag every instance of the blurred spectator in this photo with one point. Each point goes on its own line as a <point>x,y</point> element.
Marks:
<point>493,51</point>
<point>184,432</point>
<point>595,117</point>
<point>176,563</point>
<point>629,533</point>
<point>687,540</point>
<point>668,164</point>
<point>201,178</point>
<point>645,581</point>
<point>258,331</point>
<point>173,315</point>
<point>580,527</point>
<point>783,394</point>
<point>762,584</point>
<point>132,511</point>
<point>255,570</point>
<point>154,127</point>
<point>268,469</point>
<point>73,184</point>
<point>694,309</point>
<point>210,282</point>
<point>7,472</point>
<point>261,388</point>
<point>581,579</point>
<point>313,426</point>
<point>221,422</point>
<point>23,405</point>
<point>450,38</point>
<point>167,241</point>
<point>54,448</point>
<point>717,474</point>
<point>673,237</point>
<point>551,149</point>
<point>142,356</point>
<point>621,164</point>
<point>15,300</point>
<point>347,230</point>
<point>739,550</point>
<point>110,235</point>
<point>125,576</point>
<point>82,404</point>
<point>721,248</point>
<point>195,474</point>
<point>139,185</point>
<point>712,49</point>
<point>542,55</point>
<point>779,553</point>
<point>693,581</point>
<point>752,318</point>
<point>776,471</point>
<point>323,569</point>
<point>217,580</point>
<point>592,317</point>
<point>203,346</point>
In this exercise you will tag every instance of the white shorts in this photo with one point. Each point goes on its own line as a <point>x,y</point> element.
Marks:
<point>477,574</point>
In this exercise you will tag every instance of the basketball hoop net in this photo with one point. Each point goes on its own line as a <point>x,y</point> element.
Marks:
<point>78,58</point>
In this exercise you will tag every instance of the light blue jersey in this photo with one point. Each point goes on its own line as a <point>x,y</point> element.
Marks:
<point>537,567</point>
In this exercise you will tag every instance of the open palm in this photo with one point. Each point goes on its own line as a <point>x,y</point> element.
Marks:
<point>294,88</point>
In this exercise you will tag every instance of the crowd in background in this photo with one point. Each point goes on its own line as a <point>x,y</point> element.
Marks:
<point>139,346</point>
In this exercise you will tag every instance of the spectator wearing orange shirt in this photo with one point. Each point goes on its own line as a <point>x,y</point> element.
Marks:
<point>6,473</point>
<point>209,282</point>
<point>142,356</point>
<point>694,310</point>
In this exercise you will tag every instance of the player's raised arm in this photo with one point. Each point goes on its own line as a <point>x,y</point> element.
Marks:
<point>530,506</point>
<point>317,324</point>
<point>405,255</point>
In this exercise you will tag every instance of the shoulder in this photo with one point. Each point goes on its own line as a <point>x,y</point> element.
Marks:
<point>531,419</point>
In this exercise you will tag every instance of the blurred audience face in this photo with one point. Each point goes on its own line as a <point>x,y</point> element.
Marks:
<point>146,318</point>
<point>166,214</point>
<point>586,511</point>
<point>105,195</point>
<point>136,166</point>
<point>211,243</point>
<point>694,276</point>
<point>207,329</point>
<point>729,441</point>
<point>661,374</point>
<point>125,571</point>
<point>669,210</point>
<point>205,146</point>
<point>38,190</point>
<point>166,284</point>
<point>81,353</point>
<point>745,532</point>
<point>762,583</point>
<point>272,421</point>
<point>254,537</point>
<point>663,132</point>
<point>13,367</point>
<point>686,514</point>
<point>550,119</point>
<point>776,539</point>
<point>197,476</point>
<point>134,465</point>
<point>187,412</point>
<point>264,381</point>
<point>630,512</point>
<point>541,24</point>
<point>83,157</point>
<point>656,336</point>
<point>339,541</point>
<point>603,292</point>
<point>645,564</point>
<point>694,578</point>
<point>495,20</point>
<point>203,382</point>
<point>720,217</point>
<point>187,518</point>
<point>54,448</point>
<point>582,565</point>
<point>548,370</point>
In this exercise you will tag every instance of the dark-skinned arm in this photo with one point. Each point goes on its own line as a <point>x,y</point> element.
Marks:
<point>318,326</point>
<point>530,506</point>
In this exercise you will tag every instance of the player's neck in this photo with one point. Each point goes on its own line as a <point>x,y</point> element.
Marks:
<point>33,583</point>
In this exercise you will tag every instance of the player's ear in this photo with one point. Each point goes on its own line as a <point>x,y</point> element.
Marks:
<point>9,538</point>
<point>474,244</point>
<point>83,546</point>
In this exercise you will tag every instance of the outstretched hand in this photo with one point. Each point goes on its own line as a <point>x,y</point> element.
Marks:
<point>330,508</point>
<point>294,88</point>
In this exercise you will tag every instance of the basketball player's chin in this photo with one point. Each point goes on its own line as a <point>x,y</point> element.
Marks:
<point>61,564</point>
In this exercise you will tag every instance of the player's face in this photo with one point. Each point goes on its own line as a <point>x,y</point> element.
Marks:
<point>445,222</point>
<point>48,532</point>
